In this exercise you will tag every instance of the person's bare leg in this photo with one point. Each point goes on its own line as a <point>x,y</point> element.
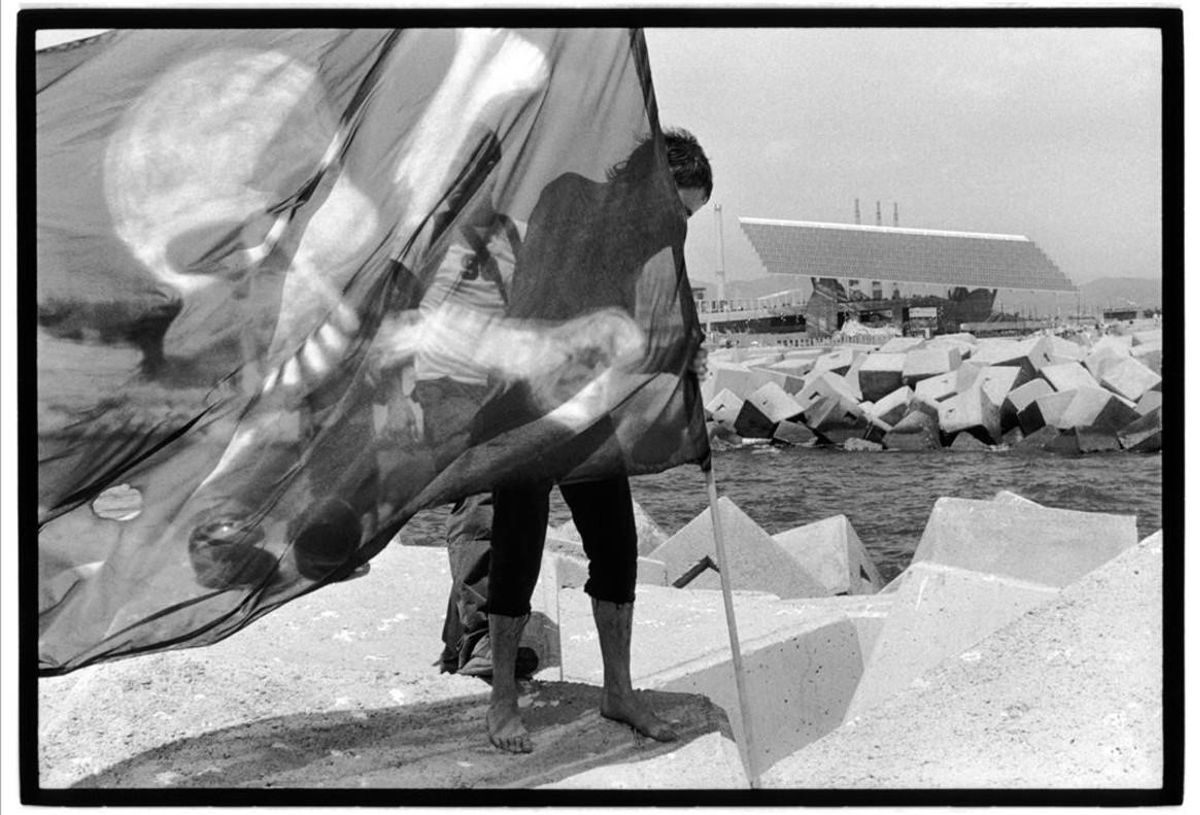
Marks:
<point>505,728</point>
<point>614,624</point>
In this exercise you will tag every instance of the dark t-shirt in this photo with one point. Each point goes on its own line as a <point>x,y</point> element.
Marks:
<point>586,246</point>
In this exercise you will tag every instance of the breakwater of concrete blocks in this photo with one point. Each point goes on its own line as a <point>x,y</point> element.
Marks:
<point>1022,639</point>
<point>1046,392</point>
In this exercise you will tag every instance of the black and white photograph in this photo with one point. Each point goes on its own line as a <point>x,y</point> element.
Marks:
<point>546,406</point>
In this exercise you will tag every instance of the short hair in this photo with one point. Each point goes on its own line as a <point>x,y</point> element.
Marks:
<point>689,165</point>
<point>685,157</point>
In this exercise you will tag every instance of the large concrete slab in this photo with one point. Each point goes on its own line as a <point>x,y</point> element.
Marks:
<point>1053,547</point>
<point>1067,696</point>
<point>337,690</point>
<point>756,561</point>
<point>836,361</point>
<point>830,551</point>
<point>938,612</point>
<point>724,408</point>
<point>1030,354</point>
<point>835,420</point>
<point>802,658</point>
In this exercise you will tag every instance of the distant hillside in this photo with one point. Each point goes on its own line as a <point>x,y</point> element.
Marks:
<point>1108,292</point>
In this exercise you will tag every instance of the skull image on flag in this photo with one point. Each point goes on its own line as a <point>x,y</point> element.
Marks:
<point>294,286</point>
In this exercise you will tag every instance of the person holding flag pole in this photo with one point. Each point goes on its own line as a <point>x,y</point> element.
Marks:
<point>602,508</point>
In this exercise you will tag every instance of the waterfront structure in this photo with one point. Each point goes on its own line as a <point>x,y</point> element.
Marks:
<point>849,264</point>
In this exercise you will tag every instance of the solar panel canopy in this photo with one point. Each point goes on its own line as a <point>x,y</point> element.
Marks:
<point>903,255</point>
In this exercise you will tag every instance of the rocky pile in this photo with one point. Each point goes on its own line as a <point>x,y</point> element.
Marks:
<point>1064,394</point>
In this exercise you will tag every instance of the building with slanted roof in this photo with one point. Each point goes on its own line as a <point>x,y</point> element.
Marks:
<point>972,266</point>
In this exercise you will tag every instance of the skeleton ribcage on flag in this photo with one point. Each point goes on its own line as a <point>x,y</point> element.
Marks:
<point>295,286</point>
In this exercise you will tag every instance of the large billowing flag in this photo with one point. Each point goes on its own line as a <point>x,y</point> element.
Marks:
<point>294,286</point>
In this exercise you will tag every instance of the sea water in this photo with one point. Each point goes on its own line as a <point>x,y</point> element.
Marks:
<point>887,496</point>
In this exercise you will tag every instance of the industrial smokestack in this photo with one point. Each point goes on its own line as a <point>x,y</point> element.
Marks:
<point>895,213</point>
<point>857,214</point>
<point>720,253</point>
<point>878,214</point>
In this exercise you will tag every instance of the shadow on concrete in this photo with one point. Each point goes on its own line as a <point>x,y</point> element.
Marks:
<point>432,745</point>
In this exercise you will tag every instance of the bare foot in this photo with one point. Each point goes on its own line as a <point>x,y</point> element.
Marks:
<point>506,730</point>
<point>635,713</point>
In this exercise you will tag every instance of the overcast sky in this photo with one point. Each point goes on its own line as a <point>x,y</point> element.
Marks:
<point>1053,134</point>
<point>1049,133</point>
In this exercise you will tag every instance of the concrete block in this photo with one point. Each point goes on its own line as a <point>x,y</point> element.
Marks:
<point>998,380</point>
<point>793,366</point>
<point>1149,355</point>
<point>1098,409</point>
<point>928,362</point>
<point>902,345</point>
<point>1121,343</point>
<point>767,376</point>
<point>1018,399</point>
<point>831,552</point>
<point>1009,497</point>
<point>1100,358</point>
<point>1067,696</point>
<point>1151,337</point>
<point>1012,437</point>
<point>1129,378</point>
<point>1069,376</point>
<point>964,442</point>
<point>1065,442</point>
<point>752,423</point>
<point>934,389</point>
<point>724,407</point>
<point>1089,440</point>
<point>1143,435</point>
<point>801,658</point>
<point>939,612</point>
<point>954,342</point>
<point>732,376</point>
<point>1054,547</point>
<point>793,434</point>
<point>1149,401</point>
<point>835,420</point>
<point>756,562</point>
<point>916,431</point>
<point>1037,440</point>
<point>890,409</point>
<point>972,411</point>
<point>1044,411</point>
<point>775,403</point>
<point>837,361</point>
<point>1065,349</point>
<point>880,374</point>
<point>1029,354</point>
<point>922,406</point>
<point>823,384</point>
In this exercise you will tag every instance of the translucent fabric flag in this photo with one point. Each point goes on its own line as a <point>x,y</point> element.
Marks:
<point>294,286</point>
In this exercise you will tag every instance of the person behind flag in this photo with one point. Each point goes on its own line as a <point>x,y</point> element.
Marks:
<point>583,251</point>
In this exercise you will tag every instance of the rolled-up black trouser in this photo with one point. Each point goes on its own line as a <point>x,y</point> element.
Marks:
<point>603,515</point>
<point>469,545</point>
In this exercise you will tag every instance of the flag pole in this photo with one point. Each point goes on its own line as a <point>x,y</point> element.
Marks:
<point>731,622</point>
